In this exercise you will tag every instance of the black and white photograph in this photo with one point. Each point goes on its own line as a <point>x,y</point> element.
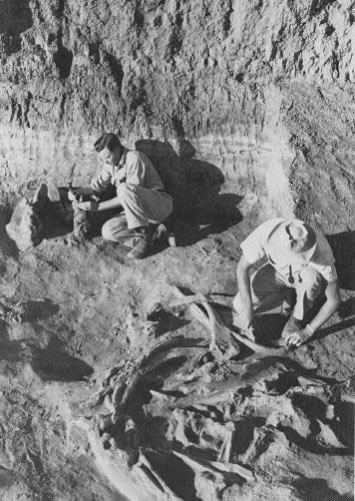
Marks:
<point>177,250</point>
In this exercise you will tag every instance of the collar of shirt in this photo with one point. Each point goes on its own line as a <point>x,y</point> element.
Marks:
<point>117,171</point>
<point>122,159</point>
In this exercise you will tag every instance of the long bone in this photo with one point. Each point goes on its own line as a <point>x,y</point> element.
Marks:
<point>214,323</point>
<point>156,479</point>
<point>218,467</point>
<point>216,326</point>
<point>220,334</point>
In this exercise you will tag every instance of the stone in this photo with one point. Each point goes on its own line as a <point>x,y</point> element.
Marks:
<point>25,226</point>
<point>37,214</point>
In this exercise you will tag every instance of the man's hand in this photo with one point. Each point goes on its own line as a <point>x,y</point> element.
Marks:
<point>90,206</point>
<point>297,338</point>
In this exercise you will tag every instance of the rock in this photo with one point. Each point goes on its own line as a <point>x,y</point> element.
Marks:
<point>25,227</point>
<point>38,214</point>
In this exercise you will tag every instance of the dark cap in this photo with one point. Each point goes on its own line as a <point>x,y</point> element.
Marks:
<point>107,140</point>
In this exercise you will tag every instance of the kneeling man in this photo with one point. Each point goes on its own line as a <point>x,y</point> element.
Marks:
<point>299,267</point>
<point>139,191</point>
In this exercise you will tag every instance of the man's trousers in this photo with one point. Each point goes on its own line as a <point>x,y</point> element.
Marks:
<point>141,206</point>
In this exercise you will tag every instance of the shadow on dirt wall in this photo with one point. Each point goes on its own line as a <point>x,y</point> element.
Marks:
<point>8,247</point>
<point>50,363</point>
<point>314,489</point>
<point>343,247</point>
<point>199,207</point>
<point>16,17</point>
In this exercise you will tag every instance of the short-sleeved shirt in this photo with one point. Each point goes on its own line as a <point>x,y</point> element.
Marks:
<point>134,167</point>
<point>256,247</point>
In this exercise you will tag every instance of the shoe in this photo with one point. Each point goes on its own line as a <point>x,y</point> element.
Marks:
<point>163,234</point>
<point>143,242</point>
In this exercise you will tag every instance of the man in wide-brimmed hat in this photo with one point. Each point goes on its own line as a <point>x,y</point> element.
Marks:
<point>299,267</point>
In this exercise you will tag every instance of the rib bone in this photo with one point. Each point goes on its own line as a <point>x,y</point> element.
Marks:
<point>220,334</point>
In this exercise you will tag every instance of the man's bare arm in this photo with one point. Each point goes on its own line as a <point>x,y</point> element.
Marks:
<point>329,307</point>
<point>243,278</point>
<point>113,203</point>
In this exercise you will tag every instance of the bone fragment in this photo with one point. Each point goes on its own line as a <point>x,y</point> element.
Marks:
<point>257,348</point>
<point>202,465</point>
<point>162,396</point>
<point>225,452</point>
<point>211,320</point>
<point>310,381</point>
<point>192,300</point>
<point>233,468</point>
<point>98,397</point>
<point>110,373</point>
<point>215,325</point>
<point>113,465</point>
<point>220,329</point>
<point>170,495</point>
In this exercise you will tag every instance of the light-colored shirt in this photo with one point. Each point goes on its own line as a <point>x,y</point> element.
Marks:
<point>256,247</point>
<point>134,168</point>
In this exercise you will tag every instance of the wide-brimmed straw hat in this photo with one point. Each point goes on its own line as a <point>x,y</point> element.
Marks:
<point>292,240</point>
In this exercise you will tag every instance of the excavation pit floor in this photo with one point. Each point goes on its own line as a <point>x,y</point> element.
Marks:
<point>83,319</point>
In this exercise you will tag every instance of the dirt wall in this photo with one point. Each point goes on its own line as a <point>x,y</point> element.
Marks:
<point>166,70</point>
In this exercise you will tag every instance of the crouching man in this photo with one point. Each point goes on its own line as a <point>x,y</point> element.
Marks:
<point>139,192</point>
<point>299,268</point>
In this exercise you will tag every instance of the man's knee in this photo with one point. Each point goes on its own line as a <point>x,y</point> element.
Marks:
<point>239,319</point>
<point>237,304</point>
<point>107,231</point>
<point>114,229</point>
<point>125,191</point>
